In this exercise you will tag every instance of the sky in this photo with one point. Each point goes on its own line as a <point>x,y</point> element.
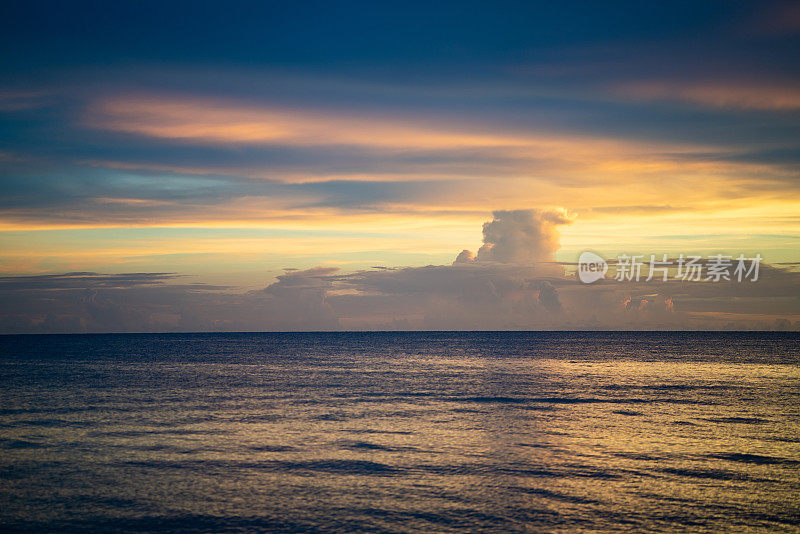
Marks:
<point>209,166</point>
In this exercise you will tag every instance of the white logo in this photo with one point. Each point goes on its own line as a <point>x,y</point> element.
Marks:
<point>591,267</point>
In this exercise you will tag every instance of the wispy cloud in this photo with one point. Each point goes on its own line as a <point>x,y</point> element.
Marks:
<point>718,93</point>
<point>215,121</point>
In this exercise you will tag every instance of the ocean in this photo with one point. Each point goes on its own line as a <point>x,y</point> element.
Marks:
<point>400,432</point>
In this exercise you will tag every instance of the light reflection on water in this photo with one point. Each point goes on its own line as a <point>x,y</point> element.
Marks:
<point>400,432</point>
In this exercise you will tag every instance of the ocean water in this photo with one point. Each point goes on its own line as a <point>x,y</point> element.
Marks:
<point>400,432</point>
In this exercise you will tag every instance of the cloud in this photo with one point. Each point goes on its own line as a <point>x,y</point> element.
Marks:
<point>718,93</point>
<point>83,280</point>
<point>214,121</point>
<point>548,297</point>
<point>521,236</point>
<point>518,236</point>
<point>462,296</point>
<point>515,287</point>
<point>152,302</point>
<point>132,151</point>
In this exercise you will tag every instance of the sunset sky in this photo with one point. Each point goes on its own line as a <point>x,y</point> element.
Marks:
<point>355,149</point>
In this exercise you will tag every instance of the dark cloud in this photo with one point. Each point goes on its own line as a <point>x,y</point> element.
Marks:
<point>84,280</point>
<point>474,296</point>
<point>548,297</point>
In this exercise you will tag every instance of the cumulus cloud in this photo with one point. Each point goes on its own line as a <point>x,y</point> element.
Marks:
<point>464,256</point>
<point>519,236</point>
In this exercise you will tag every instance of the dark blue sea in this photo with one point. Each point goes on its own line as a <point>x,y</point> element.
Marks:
<point>400,432</point>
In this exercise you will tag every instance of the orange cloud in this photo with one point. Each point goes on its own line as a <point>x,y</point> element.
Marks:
<point>216,121</point>
<point>535,157</point>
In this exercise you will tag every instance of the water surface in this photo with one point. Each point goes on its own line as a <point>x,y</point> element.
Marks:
<point>400,432</point>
